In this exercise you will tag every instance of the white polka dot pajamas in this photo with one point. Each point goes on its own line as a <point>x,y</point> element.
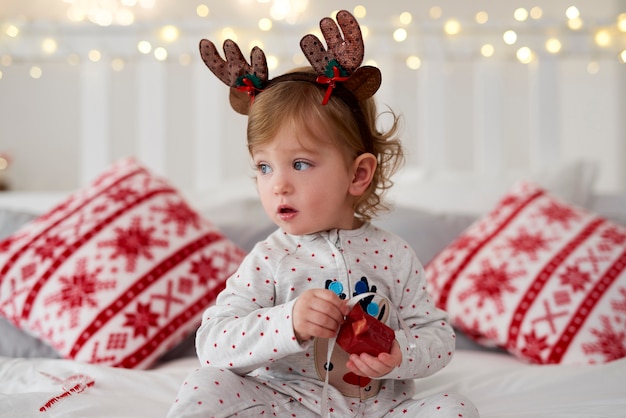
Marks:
<point>253,365</point>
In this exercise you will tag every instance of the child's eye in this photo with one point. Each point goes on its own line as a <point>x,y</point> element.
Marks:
<point>301,165</point>
<point>264,168</point>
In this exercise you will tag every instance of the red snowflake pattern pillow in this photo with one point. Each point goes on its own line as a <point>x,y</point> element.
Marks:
<point>118,273</point>
<point>539,277</point>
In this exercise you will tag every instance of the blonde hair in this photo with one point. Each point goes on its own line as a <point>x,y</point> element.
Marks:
<point>299,103</point>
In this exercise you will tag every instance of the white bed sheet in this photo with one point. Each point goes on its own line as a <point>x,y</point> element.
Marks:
<point>500,386</point>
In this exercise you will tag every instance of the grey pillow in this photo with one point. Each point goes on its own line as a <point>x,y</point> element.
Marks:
<point>426,232</point>
<point>12,220</point>
<point>246,223</point>
<point>17,343</point>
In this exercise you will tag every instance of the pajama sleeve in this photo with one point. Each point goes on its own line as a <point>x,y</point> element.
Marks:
<point>244,330</point>
<point>430,344</point>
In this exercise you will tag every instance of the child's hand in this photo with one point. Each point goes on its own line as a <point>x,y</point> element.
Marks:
<point>318,313</point>
<point>369,366</point>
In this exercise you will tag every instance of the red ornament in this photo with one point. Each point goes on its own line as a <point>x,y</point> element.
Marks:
<point>362,333</point>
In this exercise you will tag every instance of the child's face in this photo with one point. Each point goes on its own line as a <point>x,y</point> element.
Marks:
<point>304,182</point>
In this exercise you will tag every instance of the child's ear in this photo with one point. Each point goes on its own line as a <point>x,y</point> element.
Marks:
<point>363,169</point>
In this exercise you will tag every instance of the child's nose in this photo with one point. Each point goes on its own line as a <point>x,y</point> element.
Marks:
<point>281,186</point>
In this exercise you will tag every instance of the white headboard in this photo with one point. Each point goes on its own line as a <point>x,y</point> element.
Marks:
<point>466,115</point>
<point>470,117</point>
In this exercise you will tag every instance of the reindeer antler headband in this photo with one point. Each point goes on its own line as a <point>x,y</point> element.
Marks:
<point>337,68</point>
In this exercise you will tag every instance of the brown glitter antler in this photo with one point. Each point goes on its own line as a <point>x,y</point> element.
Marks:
<point>341,61</point>
<point>244,79</point>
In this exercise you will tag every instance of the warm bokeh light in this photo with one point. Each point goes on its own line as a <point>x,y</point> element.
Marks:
<point>525,55</point>
<point>406,18</point>
<point>229,33</point>
<point>288,11</point>
<point>106,13</point>
<point>202,10</point>
<point>94,55</point>
<point>160,53</point>
<point>365,31</point>
<point>360,12</point>
<point>602,38</point>
<point>413,62</point>
<point>480,32</point>
<point>12,31</point>
<point>435,12</point>
<point>452,27</point>
<point>575,24</point>
<point>169,33</point>
<point>298,60</point>
<point>73,59</point>
<point>400,35</point>
<point>487,50</point>
<point>574,21</point>
<point>509,37</point>
<point>75,14</point>
<point>621,22</point>
<point>520,14</point>
<point>272,62</point>
<point>117,64</point>
<point>265,24</point>
<point>49,46</point>
<point>35,72</point>
<point>572,12</point>
<point>553,45</point>
<point>536,13</point>
<point>144,47</point>
<point>482,17</point>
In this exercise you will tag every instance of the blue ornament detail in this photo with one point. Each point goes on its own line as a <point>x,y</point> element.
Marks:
<point>372,308</point>
<point>361,287</point>
<point>336,287</point>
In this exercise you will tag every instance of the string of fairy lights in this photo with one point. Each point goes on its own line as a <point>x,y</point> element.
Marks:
<point>526,38</point>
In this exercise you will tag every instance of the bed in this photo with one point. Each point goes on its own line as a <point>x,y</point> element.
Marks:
<point>498,384</point>
<point>42,374</point>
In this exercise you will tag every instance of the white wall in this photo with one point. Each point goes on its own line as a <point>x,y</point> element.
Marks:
<point>462,111</point>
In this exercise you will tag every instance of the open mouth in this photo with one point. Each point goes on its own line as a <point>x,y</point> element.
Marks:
<point>286,210</point>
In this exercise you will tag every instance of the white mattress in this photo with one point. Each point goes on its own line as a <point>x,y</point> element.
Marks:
<point>499,385</point>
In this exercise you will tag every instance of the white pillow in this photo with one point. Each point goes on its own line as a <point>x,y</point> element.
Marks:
<point>476,194</point>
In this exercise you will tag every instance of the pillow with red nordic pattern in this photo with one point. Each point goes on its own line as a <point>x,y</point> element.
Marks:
<point>118,273</point>
<point>539,277</point>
